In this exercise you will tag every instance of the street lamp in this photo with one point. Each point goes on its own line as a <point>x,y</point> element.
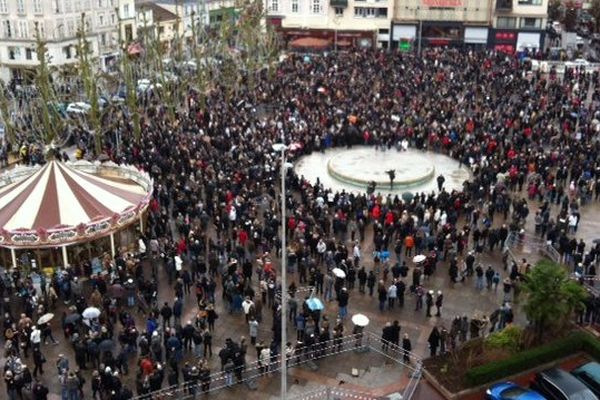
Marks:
<point>281,148</point>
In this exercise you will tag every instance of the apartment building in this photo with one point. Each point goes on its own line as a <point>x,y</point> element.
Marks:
<point>346,23</point>
<point>442,23</point>
<point>128,22</point>
<point>57,22</point>
<point>507,25</point>
<point>519,24</point>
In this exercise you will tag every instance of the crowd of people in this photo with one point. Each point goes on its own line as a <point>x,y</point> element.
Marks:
<point>529,140</point>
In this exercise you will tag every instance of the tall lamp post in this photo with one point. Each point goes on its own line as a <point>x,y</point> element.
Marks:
<point>281,148</point>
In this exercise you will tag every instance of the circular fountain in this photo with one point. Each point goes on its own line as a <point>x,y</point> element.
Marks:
<point>353,170</point>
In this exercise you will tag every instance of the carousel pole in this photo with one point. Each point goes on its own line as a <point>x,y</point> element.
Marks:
<point>13,255</point>
<point>141,223</point>
<point>112,244</point>
<point>65,257</point>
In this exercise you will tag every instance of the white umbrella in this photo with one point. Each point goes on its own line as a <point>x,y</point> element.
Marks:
<point>45,318</point>
<point>419,259</point>
<point>339,272</point>
<point>360,320</point>
<point>91,312</point>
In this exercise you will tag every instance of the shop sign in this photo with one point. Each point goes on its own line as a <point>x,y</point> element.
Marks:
<point>442,3</point>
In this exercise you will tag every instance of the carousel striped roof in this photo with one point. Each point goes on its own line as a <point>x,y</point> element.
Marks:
<point>58,195</point>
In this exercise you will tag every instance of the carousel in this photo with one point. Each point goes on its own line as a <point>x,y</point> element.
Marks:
<point>59,213</point>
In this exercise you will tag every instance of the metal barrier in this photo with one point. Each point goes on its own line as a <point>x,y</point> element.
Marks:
<point>329,393</point>
<point>550,252</point>
<point>252,371</point>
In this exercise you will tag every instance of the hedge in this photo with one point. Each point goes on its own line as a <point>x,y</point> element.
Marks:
<point>577,341</point>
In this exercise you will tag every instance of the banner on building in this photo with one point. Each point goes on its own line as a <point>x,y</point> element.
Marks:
<point>442,3</point>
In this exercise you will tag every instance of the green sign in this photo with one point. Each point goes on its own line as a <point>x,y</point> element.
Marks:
<point>404,45</point>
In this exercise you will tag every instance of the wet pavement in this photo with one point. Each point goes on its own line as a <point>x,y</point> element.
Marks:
<point>459,299</point>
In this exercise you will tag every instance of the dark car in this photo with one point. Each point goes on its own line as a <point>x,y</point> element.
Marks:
<point>589,374</point>
<point>556,384</point>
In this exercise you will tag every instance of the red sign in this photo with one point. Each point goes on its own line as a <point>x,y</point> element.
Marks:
<point>506,36</point>
<point>442,3</point>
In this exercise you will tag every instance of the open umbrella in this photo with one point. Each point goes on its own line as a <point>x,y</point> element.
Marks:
<point>106,345</point>
<point>360,320</point>
<point>72,318</point>
<point>419,259</point>
<point>45,318</point>
<point>91,312</point>
<point>407,197</point>
<point>314,304</point>
<point>338,272</point>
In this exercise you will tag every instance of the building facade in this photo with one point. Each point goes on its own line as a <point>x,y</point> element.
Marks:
<point>507,25</point>
<point>356,23</point>
<point>519,25</point>
<point>441,23</point>
<point>57,22</point>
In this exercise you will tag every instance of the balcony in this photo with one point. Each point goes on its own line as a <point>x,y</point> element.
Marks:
<point>504,5</point>
<point>338,3</point>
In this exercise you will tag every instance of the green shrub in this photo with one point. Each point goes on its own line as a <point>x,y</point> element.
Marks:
<point>528,359</point>
<point>507,339</point>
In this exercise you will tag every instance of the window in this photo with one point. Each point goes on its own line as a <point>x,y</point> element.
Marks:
<point>101,20</point>
<point>274,6</point>
<point>295,7</point>
<point>113,19</point>
<point>316,7</point>
<point>339,12</point>
<point>20,6</point>
<point>28,53</point>
<point>37,6</point>
<point>70,28</point>
<point>3,7</point>
<point>41,28</point>
<point>506,22</point>
<point>7,29</point>
<point>126,11</point>
<point>370,12</point>
<point>57,6</point>
<point>23,29</point>
<point>14,53</point>
<point>530,2</point>
<point>103,39</point>
<point>535,23</point>
<point>67,52</point>
<point>67,5</point>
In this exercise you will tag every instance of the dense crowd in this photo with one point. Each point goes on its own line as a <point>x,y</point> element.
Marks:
<point>527,138</point>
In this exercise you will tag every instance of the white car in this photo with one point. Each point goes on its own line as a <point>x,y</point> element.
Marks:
<point>79,107</point>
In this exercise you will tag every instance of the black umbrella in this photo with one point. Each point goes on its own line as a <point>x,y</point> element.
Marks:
<point>106,345</point>
<point>72,318</point>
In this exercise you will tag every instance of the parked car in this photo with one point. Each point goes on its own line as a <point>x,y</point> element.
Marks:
<point>511,391</point>
<point>557,384</point>
<point>79,107</point>
<point>589,374</point>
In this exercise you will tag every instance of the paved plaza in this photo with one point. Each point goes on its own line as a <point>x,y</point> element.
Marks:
<point>380,375</point>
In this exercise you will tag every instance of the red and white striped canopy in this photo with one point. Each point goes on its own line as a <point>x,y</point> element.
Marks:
<point>59,195</point>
